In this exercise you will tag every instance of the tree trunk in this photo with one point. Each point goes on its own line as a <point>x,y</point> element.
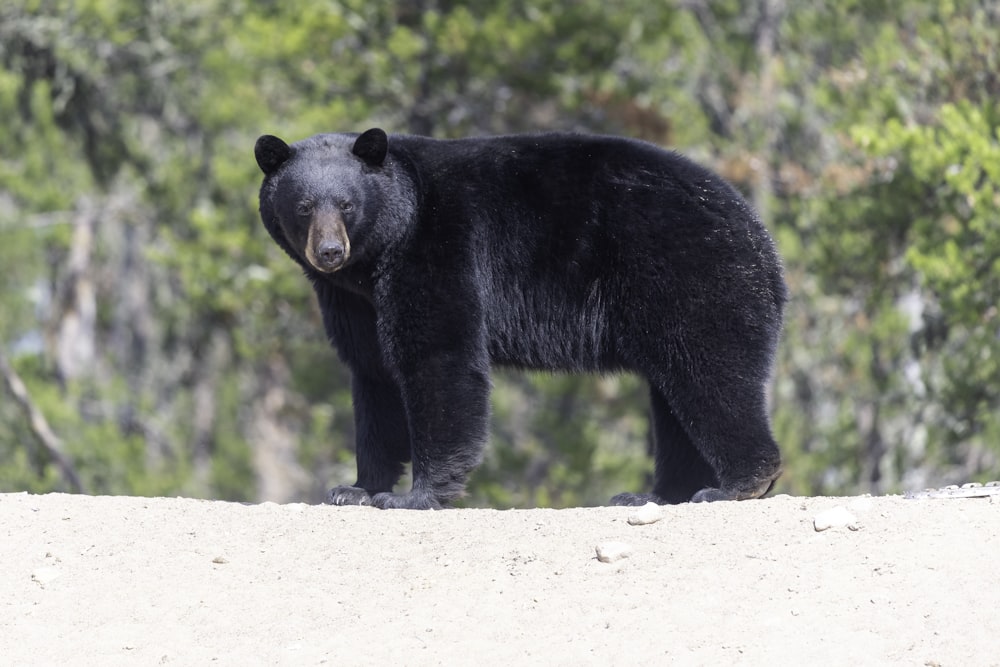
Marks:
<point>74,318</point>
<point>39,426</point>
<point>280,477</point>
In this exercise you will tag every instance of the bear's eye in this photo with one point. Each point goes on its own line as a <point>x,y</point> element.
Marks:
<point>304,208</point>
<point>346,206</point>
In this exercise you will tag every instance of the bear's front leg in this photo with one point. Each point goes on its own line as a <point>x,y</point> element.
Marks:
<point>414,500</point>
<point>382,442</point>
<point>447,405</point>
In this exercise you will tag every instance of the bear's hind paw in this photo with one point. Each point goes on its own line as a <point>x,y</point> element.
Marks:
<point>635,499</point>
<point>758,489</point>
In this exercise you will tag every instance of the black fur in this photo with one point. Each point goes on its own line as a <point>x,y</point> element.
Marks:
<point>558,252</point>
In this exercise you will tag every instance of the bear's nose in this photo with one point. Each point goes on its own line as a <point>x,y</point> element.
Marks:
<point>331,254</point>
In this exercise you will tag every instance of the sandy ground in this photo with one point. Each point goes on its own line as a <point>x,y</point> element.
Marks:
<point>147,581</point>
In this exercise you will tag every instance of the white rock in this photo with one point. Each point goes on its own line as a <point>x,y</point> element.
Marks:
<point>835,517</point>
<point>609,552</point>
<point>44,575</point>
<point>648,513</point>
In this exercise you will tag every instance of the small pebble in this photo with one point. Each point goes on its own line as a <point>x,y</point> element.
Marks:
<point>648,513</point>
<point>609,552</point>
<point>836,517</point>
<point>44,575</point>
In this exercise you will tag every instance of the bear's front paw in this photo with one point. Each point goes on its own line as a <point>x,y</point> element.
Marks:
<point>415,500</point>
<point>347,495</point>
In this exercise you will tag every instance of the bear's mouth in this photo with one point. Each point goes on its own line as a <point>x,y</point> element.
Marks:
<point>327,247</point>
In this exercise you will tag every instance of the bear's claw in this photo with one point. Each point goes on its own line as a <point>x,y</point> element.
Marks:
<point>347,495</point>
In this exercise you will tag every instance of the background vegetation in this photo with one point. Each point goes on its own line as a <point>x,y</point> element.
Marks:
<point>153,340</point>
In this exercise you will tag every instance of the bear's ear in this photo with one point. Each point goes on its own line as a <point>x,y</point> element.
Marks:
<point>271,152</point>
<point>372,147</point>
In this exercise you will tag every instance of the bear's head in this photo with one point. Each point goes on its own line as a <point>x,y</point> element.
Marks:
<point>333,200</point>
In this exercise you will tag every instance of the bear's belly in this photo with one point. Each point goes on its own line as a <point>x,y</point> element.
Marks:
<point>550,334</point>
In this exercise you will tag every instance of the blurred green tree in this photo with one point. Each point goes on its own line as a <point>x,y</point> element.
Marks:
<point>172,348</point>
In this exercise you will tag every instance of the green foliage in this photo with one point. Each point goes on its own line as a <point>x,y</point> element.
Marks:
<point>899,245</point>
<point>176,346</point>
<point>951,168</point>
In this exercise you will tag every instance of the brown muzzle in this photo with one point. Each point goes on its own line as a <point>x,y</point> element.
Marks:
<point>327,246</point>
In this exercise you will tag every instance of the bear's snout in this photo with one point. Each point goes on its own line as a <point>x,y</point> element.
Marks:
<point>328,246</point>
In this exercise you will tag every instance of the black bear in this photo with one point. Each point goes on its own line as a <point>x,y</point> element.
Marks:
<point>434,260</point>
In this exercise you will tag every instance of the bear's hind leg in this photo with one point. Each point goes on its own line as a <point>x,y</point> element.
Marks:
<point>730,429</point>
<point>680,470</point>
<point>709,381</point>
